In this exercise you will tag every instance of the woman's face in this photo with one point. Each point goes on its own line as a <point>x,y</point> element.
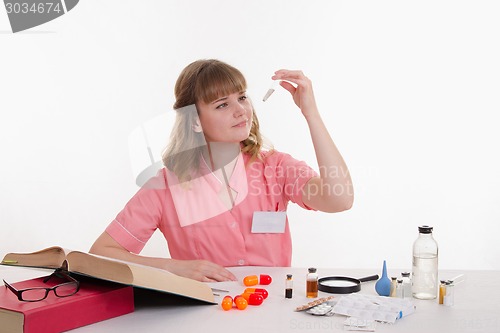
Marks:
<point>227,119</point>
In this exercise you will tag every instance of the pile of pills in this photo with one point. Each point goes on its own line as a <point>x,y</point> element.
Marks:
<point>240,302</point>
<point>251,296</point>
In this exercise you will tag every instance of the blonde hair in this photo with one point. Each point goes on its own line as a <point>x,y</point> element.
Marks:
<point>203,81</point>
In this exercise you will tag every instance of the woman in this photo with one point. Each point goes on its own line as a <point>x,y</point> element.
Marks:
<point>221,199</point>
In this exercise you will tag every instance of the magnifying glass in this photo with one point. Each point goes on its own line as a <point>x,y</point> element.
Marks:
<point>342,284</point>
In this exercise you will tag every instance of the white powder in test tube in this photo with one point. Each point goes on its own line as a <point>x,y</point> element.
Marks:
<point>270,91</point>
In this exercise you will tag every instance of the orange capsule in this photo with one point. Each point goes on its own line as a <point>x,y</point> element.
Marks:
<point>252,280</point>
<point>241,302</point>
<point>253,298</point>
<point>260,291</point>
<point>227,303</point>
<point>245,296</point>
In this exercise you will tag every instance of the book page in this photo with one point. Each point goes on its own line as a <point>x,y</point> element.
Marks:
<point>11,321</point>
<point>100,267</point>
<point>162,280</point>
<point>138,275</point>
<point>51,257</point>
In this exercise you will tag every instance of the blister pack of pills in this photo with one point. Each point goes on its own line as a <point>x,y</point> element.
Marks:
<point>321,309</point>
<point>378,308</point>
<point>313,304</point>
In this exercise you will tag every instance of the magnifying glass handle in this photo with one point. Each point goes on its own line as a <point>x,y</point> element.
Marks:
<point>369,278</point>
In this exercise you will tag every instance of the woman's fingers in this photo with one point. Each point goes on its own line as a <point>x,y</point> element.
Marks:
<point>208,271</point>
<point>288,86</point>
<point>299,86</point>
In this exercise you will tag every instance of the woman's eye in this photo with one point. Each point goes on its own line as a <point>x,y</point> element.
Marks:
<point>223,105</point>
<point>242,98</point>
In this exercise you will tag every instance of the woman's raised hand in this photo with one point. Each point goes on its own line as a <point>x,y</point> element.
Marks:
<point>301,89</point>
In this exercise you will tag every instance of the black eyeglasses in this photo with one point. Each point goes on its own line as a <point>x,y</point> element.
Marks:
<point>40,293</point>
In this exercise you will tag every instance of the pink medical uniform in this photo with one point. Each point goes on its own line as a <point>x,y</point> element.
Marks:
<point>197,225</point>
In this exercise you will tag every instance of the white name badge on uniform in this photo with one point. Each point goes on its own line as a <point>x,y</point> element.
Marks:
<point>268,222</point>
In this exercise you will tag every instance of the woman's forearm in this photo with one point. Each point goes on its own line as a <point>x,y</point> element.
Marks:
<point>333,191</point>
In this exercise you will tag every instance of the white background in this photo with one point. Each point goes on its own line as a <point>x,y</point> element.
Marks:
<point>408,90</point>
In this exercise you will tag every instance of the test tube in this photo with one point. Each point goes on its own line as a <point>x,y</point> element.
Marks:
<point>270,91</point>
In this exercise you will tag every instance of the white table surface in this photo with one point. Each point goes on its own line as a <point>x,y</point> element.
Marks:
<point>476,308</point>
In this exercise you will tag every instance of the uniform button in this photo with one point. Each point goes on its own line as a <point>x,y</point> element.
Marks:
<point>241,262</point>
<point>234,224</point>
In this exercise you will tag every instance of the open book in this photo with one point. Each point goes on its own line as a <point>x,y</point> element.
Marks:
<point>113,270</point>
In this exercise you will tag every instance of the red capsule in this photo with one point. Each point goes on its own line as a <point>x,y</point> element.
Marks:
<point>252,280</point>
<point>260,291</point>
<point>265,279</point>
<point>253,298</point>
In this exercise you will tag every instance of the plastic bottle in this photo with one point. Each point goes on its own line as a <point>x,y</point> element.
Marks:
<point>383,285</point>
<point>312,283</point>
<point>425,265</point>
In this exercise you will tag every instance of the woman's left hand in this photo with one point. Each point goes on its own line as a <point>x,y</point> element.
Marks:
<point>302,93</point>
